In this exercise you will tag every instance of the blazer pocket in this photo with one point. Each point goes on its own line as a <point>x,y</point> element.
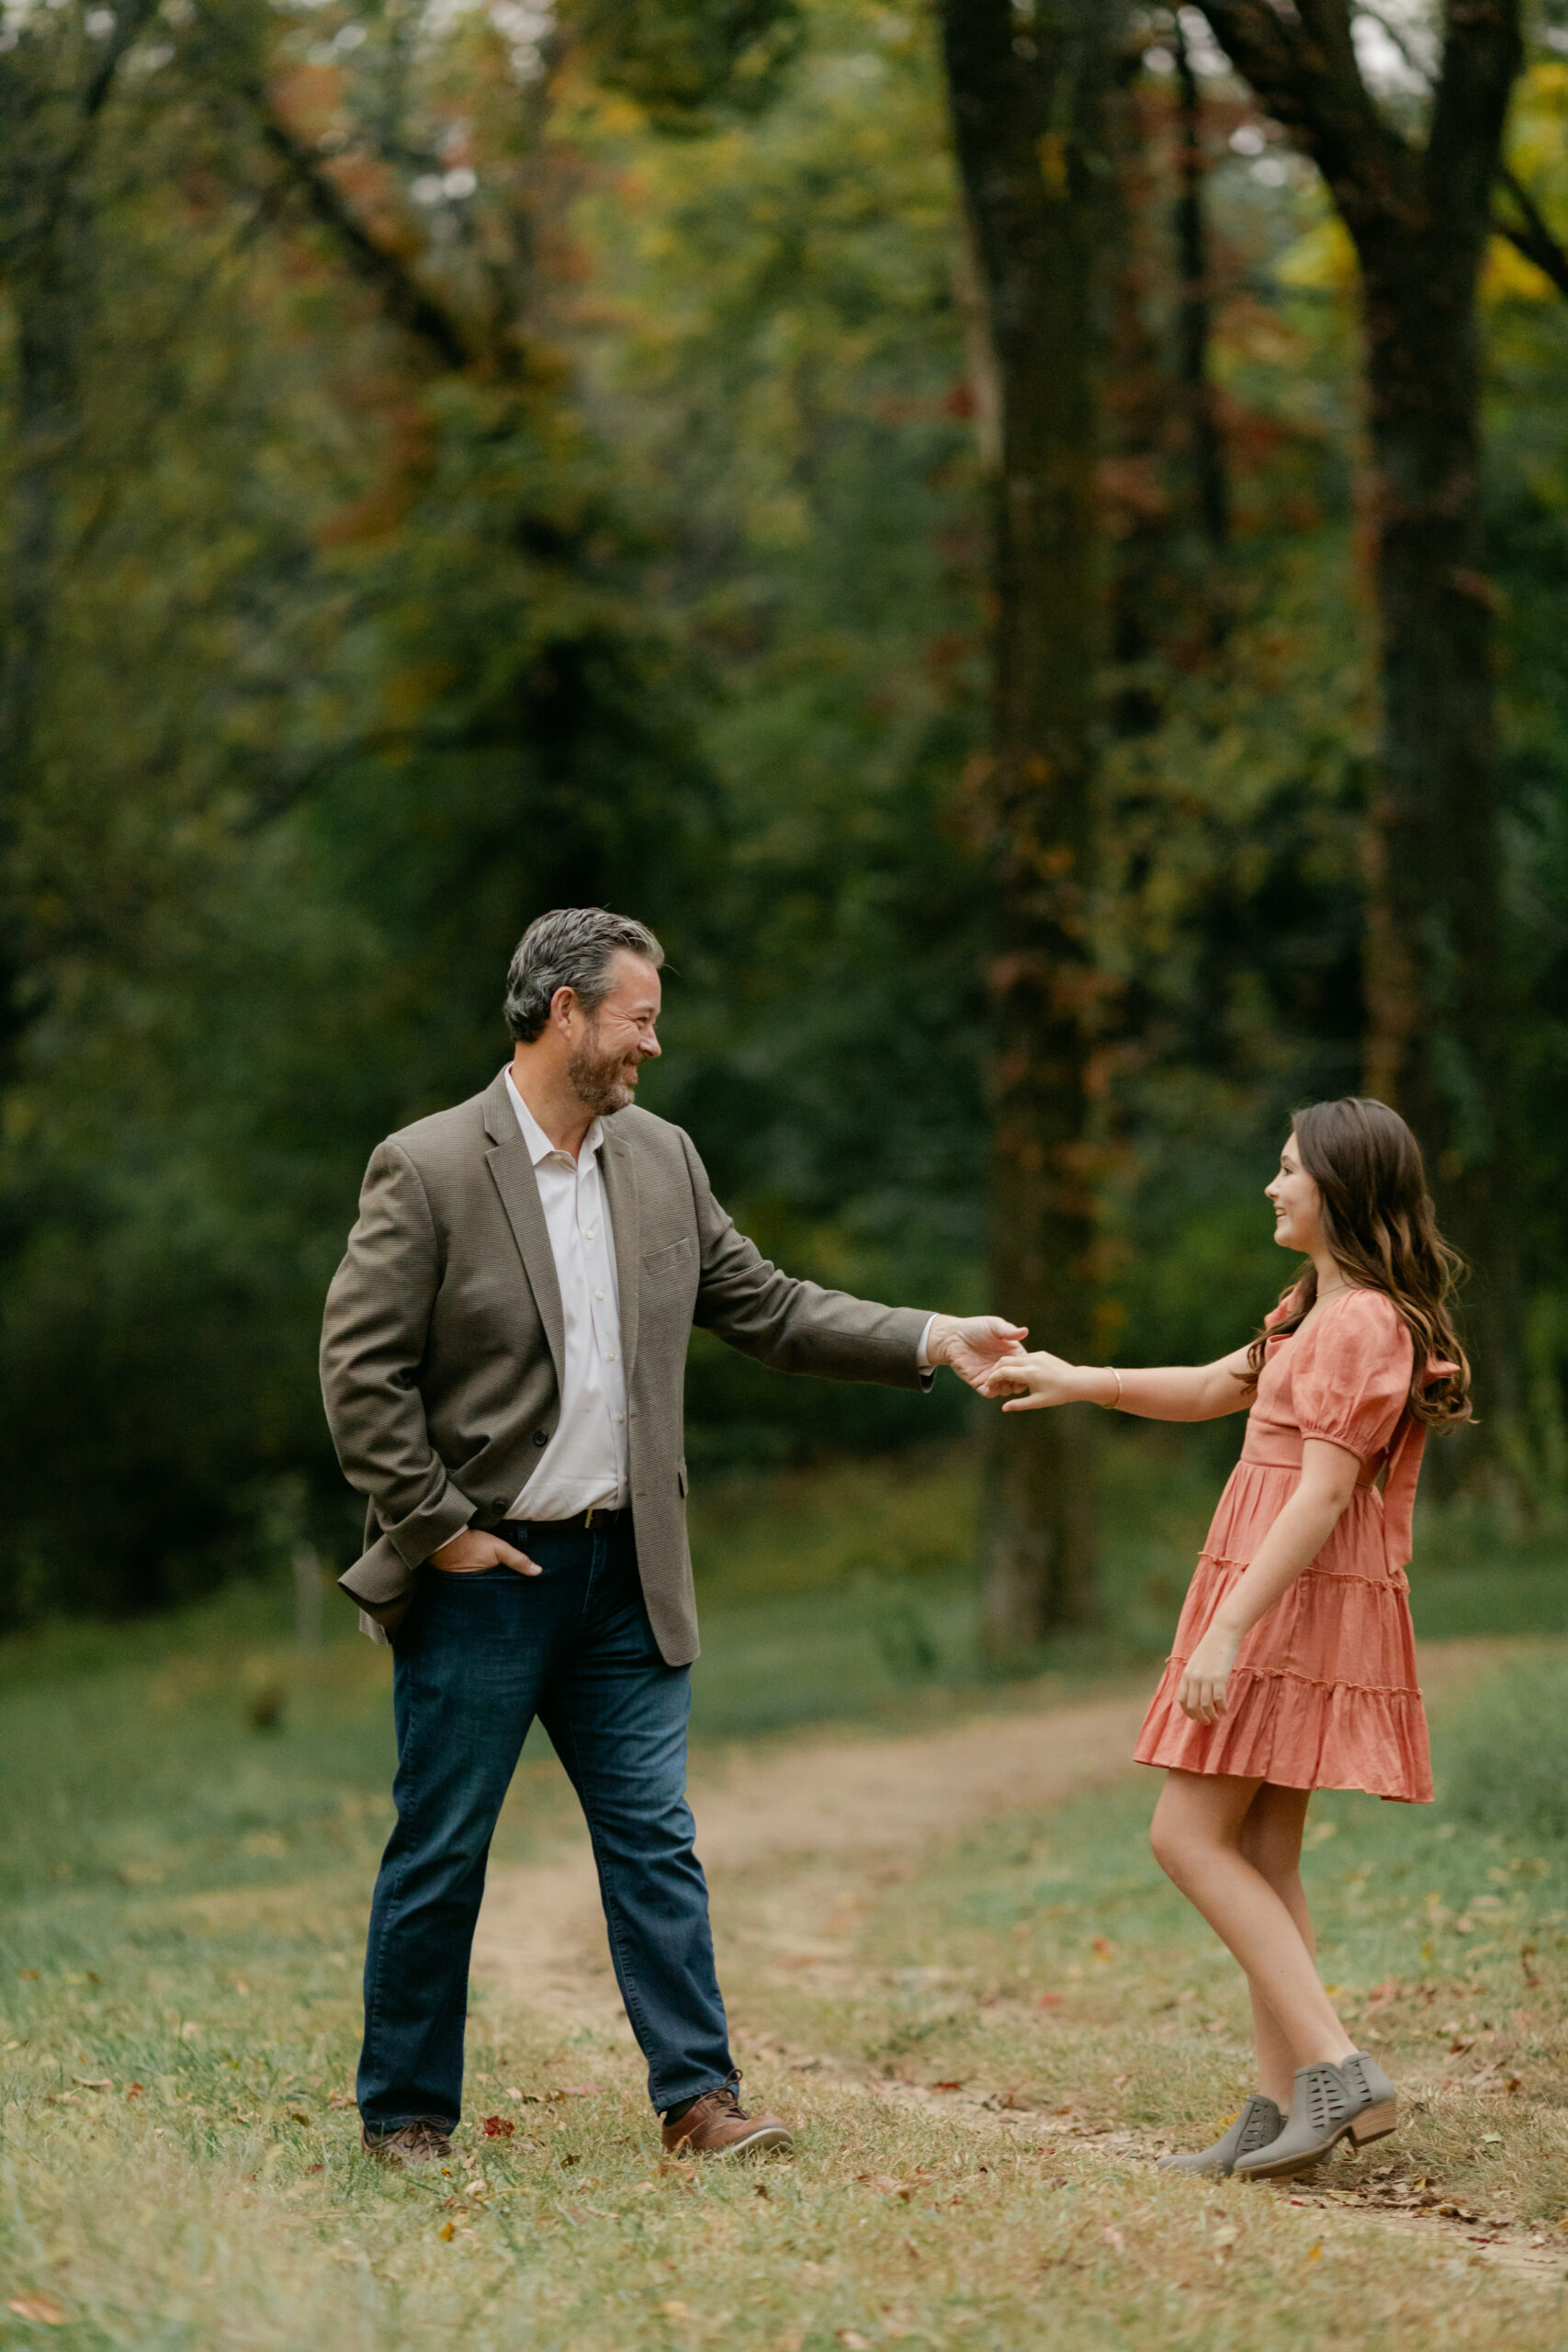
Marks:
<point>674,1253</point>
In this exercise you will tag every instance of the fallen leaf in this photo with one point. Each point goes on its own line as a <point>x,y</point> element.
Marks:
<point>1227,2236</point>
<point>1314,2252</point>
<point>856,2342</point>
<point>445,2232</point>
<point>94,2082</point>
<point>1100,1947</point>
<point>1051,2000</point>
<point>577,2090</point>
<point>298,2115</point>
<point>29,1976</point>
<point>1112,2236</point>
<point>568,2158</point>
<point>576,2216</point>
<point>136,2090</point>
<point>957,2086</point>
<point>1117,2081</point>
<point>673,2310</point>
<point>499,2127</point>
<point>36,2307</point>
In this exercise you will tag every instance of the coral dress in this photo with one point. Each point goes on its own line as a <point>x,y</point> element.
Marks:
<point>1323,1692</point>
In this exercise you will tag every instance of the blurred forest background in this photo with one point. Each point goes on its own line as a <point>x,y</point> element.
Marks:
<point>463,459</point>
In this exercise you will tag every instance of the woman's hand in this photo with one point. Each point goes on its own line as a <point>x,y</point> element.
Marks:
<point>1032,1380</point>
<point>1202,1695</point>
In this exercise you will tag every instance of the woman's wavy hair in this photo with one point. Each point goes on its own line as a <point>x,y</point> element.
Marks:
<point>1382,1229</point>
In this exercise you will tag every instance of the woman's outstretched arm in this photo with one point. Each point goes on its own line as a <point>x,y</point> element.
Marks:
<point>1178,1391</point>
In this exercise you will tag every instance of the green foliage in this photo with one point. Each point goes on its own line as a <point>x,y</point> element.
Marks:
<point>689,62</point>
<point>350,661</point>
<point>1506,1760</point>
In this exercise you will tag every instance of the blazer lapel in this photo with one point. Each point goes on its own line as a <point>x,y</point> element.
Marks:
<point>514,1172</point>
<point>618,1168</point>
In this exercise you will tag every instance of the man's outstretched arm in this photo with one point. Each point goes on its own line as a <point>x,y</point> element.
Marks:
<point>798,1326</point>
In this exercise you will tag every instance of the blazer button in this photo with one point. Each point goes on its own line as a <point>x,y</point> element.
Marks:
<point>541,1437</point>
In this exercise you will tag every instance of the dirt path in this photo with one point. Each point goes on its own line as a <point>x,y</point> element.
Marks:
<point>845,1803</point>
<point>541,1935</point>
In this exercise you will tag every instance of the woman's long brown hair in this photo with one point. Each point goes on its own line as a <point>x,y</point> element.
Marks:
<point>1381,1229</point>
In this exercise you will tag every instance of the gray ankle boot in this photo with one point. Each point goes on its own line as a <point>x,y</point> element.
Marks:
<point>1354,2099</point>
<point>1258,2122</point>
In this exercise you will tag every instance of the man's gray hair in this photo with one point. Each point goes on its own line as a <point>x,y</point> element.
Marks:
<point>570,949</point>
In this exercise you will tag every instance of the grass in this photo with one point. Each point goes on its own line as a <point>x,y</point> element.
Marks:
<point>185,1898</point>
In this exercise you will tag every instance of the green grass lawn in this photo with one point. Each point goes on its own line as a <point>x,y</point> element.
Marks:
<point>193,1814</point>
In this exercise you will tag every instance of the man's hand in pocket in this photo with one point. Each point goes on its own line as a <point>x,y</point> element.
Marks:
<point>464,1554</point>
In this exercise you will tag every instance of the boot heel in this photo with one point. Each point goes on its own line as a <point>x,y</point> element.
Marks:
<point>1375,2123</point>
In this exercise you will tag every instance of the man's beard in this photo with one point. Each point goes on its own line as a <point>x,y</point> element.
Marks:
<point>596,1079</point>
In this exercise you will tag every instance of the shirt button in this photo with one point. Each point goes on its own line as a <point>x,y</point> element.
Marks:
<point>598,1294</point>
<point>620,1417</point>
<point>609,1355</point>
<point>540,1438</point>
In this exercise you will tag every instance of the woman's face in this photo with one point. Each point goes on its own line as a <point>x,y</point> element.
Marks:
<point>1298,1205</point>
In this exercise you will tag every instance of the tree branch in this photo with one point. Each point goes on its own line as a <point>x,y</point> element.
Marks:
<point>406,300</point>
<point>1305,73</point>
<point>1482,55</point>
<point>1535,240</point>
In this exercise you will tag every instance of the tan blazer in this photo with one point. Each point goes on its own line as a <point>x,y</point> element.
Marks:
<point>443,1340</point>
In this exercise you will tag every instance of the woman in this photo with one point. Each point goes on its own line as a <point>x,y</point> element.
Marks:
<point>1294,1664</point>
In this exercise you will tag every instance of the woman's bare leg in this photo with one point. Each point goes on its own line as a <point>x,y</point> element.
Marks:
<point>1198,1835</point>
<point>1271,1841</point>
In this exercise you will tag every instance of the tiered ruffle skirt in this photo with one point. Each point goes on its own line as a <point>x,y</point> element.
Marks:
<point>1324,1693</point>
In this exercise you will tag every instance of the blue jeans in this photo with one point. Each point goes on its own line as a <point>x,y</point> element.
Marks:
<point>477,1658</point>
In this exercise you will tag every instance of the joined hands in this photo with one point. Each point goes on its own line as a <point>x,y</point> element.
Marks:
<point>974,1346</point>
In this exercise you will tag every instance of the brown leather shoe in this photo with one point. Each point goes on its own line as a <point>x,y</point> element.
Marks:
<point>717,2125</point>
<point>412,2145</point>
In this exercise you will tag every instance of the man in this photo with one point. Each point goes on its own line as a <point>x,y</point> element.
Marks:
<point>502,1360</point>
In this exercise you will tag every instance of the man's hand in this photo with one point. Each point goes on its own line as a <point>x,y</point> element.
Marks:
<point>974,1344</point>
<point>462,1554</point>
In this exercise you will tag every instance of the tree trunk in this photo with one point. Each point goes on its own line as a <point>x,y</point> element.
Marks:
<point>1437,992</point>
<point>53,92</point>
<point>1028,91</point>
<point>1205,448</point>
<point>1420,216</point>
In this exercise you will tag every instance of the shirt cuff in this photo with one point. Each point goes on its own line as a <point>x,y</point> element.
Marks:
<point>924,1363</point>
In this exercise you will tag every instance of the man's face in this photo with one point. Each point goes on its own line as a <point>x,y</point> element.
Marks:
<point>613,1044</point>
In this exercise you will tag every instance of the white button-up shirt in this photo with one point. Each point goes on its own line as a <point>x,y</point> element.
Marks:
<point>586,1460</point>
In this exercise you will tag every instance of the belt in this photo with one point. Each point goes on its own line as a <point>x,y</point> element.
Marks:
<point>596,1515</point>
<point>1271,1446</point>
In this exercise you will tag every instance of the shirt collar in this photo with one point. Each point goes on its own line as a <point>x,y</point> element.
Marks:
<point>539,1145</point>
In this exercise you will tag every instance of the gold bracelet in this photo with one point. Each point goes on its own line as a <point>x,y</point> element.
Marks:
<point>1115,1403</point>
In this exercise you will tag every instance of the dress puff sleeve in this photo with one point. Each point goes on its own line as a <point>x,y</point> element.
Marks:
<point>1350,1373</point>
